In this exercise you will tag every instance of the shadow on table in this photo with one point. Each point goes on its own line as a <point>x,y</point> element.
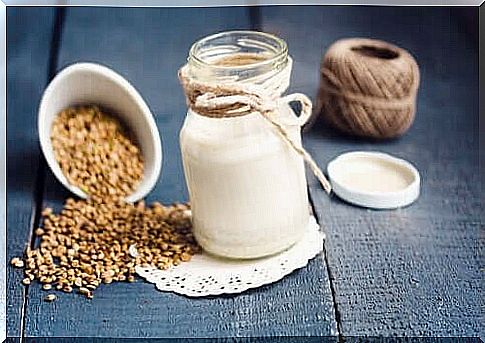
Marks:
<point>22,163</point>
<point>321,129</point>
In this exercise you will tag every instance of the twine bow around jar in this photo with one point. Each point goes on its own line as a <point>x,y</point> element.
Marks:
<point>233,99</point>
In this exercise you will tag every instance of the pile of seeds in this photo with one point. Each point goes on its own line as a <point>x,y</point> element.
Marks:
<point>95,241</point>
<point>102,239</point>
<point>95,153</point>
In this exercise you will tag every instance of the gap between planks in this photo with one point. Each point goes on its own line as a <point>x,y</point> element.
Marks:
<point>255,19</point>
<point>42,166</point>
<point>327,267</point>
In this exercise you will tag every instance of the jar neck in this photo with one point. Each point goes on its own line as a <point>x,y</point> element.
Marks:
<point>238,56</point>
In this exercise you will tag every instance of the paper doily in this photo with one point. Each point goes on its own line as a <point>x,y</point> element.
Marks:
<point>208,275</point>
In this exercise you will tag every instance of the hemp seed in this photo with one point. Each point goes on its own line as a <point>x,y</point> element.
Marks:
<point>105,159</point>
<point>84,290</point>
<point>17,262</point>
<point>50,297</point>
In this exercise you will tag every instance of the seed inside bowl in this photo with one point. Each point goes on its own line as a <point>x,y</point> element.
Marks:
<point>95,152</point>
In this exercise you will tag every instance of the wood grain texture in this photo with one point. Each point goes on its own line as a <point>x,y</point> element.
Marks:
<point>147,46</point>
<point>27,75</point>
<point>413,271</point>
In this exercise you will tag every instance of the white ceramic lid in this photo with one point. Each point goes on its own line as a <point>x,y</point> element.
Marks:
<point>374,179</point>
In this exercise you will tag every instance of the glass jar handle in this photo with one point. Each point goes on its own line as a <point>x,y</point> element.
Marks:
<point>306,107</point>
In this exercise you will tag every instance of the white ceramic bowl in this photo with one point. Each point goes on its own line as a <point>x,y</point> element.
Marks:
<point>89,83</point>
<point>374,179</point>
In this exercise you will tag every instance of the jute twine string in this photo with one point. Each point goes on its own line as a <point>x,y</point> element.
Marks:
<point>368,88</point>
<point>233,99</point>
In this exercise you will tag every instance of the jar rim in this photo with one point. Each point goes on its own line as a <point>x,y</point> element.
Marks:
<point>280,51</point>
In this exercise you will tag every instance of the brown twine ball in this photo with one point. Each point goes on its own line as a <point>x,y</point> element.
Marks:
<point>368,88</point>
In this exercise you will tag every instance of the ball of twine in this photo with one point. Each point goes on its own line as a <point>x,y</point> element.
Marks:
<point>368,88</point>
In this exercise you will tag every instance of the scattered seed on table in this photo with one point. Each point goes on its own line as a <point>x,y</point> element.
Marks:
<point>50,297</point>
<point>106,229</point>
<point>83,290</point>
<point>46,286</point>
<point>17,262</point>
<point>47,211</point>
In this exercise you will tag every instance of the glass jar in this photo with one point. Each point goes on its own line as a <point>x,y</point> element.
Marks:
<point>247,186</point>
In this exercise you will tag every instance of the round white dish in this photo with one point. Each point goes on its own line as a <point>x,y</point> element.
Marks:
<point>90,83</point>
<point>374,179</point>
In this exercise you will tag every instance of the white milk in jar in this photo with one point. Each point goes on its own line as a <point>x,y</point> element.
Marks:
<point>247,186</point>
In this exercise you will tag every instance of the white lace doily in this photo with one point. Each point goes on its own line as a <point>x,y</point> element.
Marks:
<point>208,275</point>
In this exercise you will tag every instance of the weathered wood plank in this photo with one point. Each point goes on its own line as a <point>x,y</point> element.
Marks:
<point>3,197</point>
<point>148,46</point>
<point>27,75</point>
<point>413,271</point>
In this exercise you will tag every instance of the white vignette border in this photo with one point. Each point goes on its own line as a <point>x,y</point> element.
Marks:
<point>132,3</point>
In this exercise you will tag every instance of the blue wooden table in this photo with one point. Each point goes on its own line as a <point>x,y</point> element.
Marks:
<point>409,272</point>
